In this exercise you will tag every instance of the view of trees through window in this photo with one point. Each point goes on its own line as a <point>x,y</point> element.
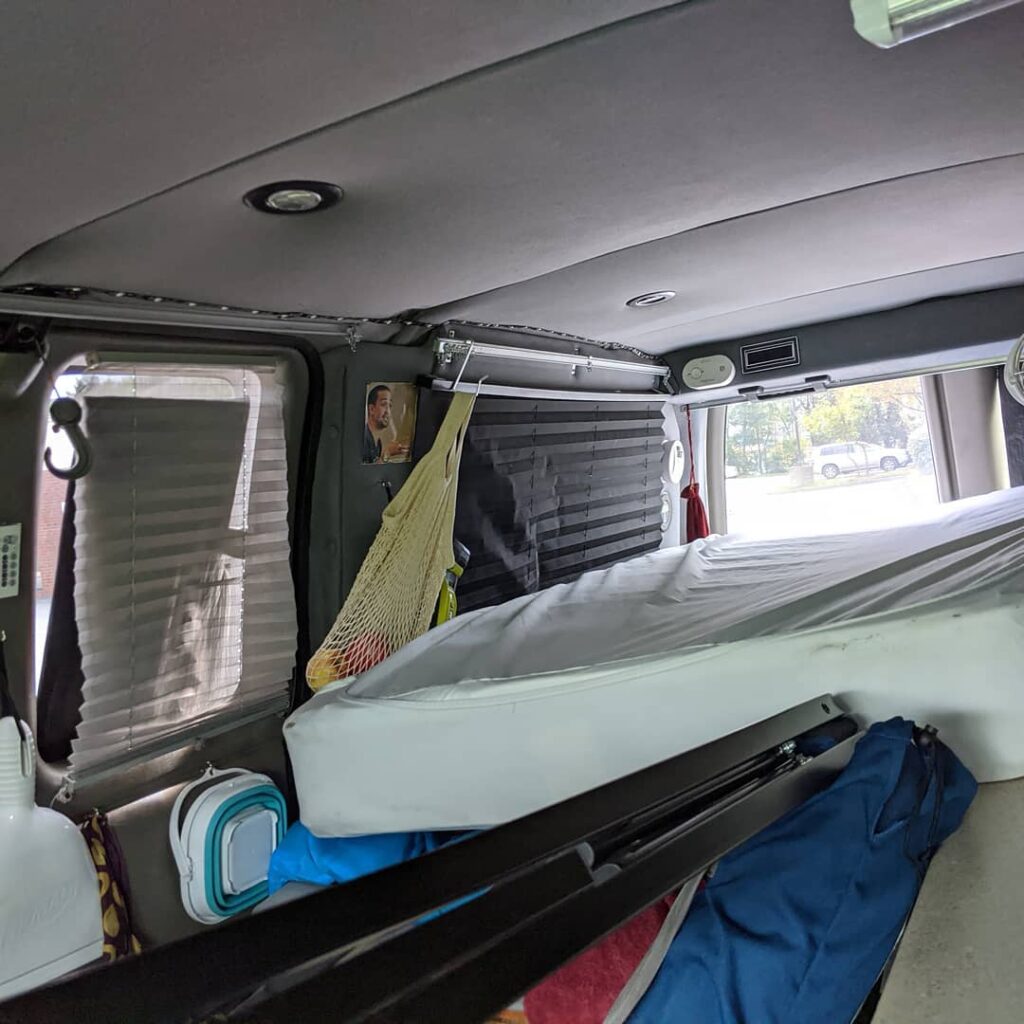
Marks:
<point>848,458</point>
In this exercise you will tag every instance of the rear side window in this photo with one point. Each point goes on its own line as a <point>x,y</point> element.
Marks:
<point>852,458</point>
<point>172,605</point>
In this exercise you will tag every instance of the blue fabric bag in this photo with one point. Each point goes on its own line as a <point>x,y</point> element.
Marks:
<point>304,857</point>
<point>798,922</point>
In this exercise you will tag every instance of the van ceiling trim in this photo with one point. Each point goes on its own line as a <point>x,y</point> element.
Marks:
<point>703,400</point>
<point>510,391</point>
<point>108,306</point>
<point>448,348</point>
<point>74,303</point>
<point>934,336</point>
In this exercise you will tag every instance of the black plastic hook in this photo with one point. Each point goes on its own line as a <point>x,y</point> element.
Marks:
<point>66,414</point>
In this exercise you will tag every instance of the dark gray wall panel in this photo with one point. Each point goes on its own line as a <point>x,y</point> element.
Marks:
<point>138,799</point>
<point>21,442</point>
<point>927,336</point>
<point>141,828</point>
<point>349,497</point>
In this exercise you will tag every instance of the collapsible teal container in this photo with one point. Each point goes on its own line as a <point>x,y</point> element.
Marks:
<point>223,830</point>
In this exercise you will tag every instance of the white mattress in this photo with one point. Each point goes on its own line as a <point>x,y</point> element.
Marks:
<point>511,708</point>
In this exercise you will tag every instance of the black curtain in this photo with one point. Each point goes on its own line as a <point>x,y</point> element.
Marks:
<point>550,489</point>
<point>1013,430</point>
<point>59,697</point>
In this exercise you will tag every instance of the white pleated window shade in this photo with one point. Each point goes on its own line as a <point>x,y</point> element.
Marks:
<point>183,593</point>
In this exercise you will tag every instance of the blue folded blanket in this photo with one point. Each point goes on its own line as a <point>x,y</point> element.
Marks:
<point>797,923</point>
<point>304,857</point>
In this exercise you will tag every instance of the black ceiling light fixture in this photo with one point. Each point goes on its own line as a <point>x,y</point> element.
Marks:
<point>292,197</point>
<point>650,299</point>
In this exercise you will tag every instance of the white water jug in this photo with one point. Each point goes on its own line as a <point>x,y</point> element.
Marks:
<point>49,896</point>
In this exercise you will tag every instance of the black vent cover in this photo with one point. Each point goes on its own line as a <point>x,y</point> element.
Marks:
<point>770,355</point>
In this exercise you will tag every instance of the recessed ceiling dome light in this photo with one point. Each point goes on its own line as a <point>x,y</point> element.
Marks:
<point>294,200</point>
<point>650,299</point>
<point>288,197</point>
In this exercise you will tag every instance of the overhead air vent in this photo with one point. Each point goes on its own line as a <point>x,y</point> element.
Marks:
<point>770,355</point>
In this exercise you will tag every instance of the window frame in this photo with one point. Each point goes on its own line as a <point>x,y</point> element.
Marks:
<point>936,418</point>
<point>301,371</point>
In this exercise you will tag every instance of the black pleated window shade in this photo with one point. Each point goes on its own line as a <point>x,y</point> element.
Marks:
<point>551,489</point>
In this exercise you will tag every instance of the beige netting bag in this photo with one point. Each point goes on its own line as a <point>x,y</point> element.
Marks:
<point>393,598</point>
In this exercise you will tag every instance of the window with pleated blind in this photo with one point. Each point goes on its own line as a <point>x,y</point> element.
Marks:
<point>183,595</point>
<point>549,489</point>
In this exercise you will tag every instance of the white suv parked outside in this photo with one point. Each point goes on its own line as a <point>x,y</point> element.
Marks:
<point>832,459</point>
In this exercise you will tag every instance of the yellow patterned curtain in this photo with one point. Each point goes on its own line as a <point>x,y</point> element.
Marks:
<point>119,937</point>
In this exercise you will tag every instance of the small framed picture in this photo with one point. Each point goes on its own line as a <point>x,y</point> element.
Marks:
<point>390,422</point>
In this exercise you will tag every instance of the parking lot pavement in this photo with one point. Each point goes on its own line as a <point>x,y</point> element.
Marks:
<point>771,506</point>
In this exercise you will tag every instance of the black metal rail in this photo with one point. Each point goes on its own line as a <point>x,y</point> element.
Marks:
<point>472,962</point>
<point>547,886</point>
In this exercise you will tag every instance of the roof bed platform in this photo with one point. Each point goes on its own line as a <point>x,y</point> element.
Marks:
<point>515,707</point>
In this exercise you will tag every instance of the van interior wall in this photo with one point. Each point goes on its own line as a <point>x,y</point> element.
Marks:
<point>23,391</point>
<point>959,959</point>
<point>141,828</point>
<point>348,500</point>
<point>965,422</point>
<point>349,497</point>
<point>675,430</point>
<point>714,475</point>
<point>138,800</point>
<point>956,331</point>
<point>698,428</point>
<point>976,328</point>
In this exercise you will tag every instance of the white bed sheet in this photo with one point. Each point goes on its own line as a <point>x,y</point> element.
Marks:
<point>511,708</point>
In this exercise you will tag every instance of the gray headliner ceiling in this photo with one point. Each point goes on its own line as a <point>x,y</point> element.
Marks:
<point>756,157</point>
<point>879,233</point>
<point>106,102</point>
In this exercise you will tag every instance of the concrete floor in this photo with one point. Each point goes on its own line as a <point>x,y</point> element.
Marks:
<point>962,956</point>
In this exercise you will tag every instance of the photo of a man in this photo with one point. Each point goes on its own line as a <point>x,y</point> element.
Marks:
<point>390,423</point>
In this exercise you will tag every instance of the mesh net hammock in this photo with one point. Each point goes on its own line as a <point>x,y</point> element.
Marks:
<point>392,600</point>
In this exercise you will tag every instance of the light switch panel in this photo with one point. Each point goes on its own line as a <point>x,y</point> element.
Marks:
<point>10,559</point>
